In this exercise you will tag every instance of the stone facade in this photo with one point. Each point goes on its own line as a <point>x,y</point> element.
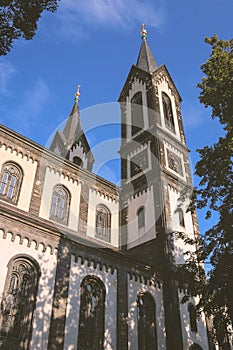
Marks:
<point>100,253</point>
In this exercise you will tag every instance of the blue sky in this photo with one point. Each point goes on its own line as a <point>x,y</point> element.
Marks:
<point>94,43</point>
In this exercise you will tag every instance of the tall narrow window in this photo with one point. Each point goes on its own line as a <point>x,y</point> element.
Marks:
<point>103,223</point>
<point>18,303</point>
<point>192,317</point>
<point>141,219</point>
<point>147,334</point>
<point>167,111</point>
<point>137,122</point>
<point>91,316</point>
<point>181,217</point>
<point>11,179</point>
<point>60,204</point>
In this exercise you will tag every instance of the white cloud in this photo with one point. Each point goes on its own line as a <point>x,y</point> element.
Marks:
<point>120,11</point>
<point>7,70</point>
<point>76,16</point>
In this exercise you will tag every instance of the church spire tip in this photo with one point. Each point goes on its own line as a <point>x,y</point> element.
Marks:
<point>75,108</point>
<point>77,94</point>
<point>143,32</point>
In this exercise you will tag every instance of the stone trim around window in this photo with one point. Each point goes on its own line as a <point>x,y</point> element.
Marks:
<point>103,223</point>
<point>11,180</point>
<point>60,205</point>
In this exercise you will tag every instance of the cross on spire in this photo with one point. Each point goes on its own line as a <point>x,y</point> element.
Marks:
<point>77,94</point>
<point>143,32</point>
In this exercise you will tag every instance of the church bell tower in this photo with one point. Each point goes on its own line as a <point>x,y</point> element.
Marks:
<point>155,176</point>
<point>154,158</point>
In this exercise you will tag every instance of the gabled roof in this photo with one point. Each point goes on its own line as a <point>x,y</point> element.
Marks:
<point>135,70</point>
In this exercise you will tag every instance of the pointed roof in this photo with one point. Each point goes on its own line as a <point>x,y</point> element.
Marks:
<point>73,127</point>
<point>146,59</point>
<point>72,130</point>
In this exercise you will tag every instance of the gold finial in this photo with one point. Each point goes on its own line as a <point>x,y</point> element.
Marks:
<point>77,94</point>
<point>143,31</point>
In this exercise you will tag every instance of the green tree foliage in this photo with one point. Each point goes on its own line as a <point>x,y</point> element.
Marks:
<point>18,18</point>
<point>215,192</point>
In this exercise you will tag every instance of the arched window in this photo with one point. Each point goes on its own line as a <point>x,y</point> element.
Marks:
<point>91,316</point>
<point>18,302</point>
<point>181,217</point>
<point>195,346</point>
<point>103,223</point>
<point>167,111</point>
<point>137,122</point>
<point>141,219</point>
<point>78,161</point>
<point>11,179</point>
<point>60,204</point>
<point>147,333</point>
<point>192,317</point>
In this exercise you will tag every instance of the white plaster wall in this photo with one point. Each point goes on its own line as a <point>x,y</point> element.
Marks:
<point>145,199</point>
<point>29,171</point>
<point>179,246</point>
<point>52,179</point>
<point>163,87</point>
<point>134,288</point>
<point>96,198</point>
<point>188,336</point>
<point>77,273</point>
<point>47,262</point>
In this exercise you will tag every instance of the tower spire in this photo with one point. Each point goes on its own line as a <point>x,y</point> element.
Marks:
<point>146,59</point>
<point>73,126</point>
<point>75,108</point>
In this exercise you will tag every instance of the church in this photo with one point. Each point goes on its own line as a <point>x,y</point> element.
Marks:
<point>86,264</point>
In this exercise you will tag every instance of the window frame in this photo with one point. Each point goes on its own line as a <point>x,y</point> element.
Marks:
<point>168,113</point>
<point>91,314</point>
<point>77,161</point>
<point>192,317</point>
<point>61,204</point>
<point>13,171</point>
<point>19,303</point>
<point>195,346</point>
<point>141,220</point>
<point>181,217</point>
<point>103,213</point>
<point>137,116</point>
<point>146,318</point>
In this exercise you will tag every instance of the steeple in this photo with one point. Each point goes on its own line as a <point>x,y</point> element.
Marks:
<point>71,142</point>
<point>146,59</point>
<point>73,127</point>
